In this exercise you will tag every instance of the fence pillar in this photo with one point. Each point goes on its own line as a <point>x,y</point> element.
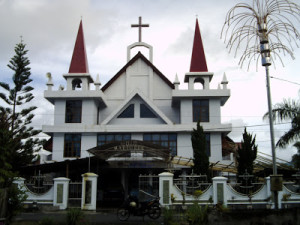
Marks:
<point>61,192</point>
<point>220,190</point>
<point>89,191</point>
<point>270,203</point>
<point>20,181</point>
<point>165,184</point>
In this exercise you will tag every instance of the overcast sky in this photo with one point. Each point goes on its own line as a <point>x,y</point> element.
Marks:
<point>49,28</point>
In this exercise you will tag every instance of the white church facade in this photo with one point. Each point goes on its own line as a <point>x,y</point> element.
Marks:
<point>139,118</point>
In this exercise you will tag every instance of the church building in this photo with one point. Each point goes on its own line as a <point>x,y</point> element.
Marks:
<point>139,121</point>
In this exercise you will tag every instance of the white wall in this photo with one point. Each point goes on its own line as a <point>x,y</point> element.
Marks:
<point>214,111</point>
<point>88,141</point>
<point>58,147</point>
<point>186,111</point>
<point>89,112</point>
<point>59,111</point>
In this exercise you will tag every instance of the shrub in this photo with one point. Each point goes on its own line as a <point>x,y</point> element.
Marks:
<point>197,215</point>
<point>46,221</point>
<point>197,194</point>
<point>75,216</point>
<point>168,216</point>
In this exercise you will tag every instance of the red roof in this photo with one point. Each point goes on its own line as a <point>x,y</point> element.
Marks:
<point>79,63</point>
<point>198,61</point>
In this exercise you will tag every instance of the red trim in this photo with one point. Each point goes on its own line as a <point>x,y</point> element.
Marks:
<point>135,58</point>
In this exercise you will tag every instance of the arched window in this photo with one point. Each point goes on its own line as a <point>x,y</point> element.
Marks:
<point>76,84</point>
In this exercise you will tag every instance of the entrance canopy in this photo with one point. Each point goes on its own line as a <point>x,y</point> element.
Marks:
<point>133,149</point>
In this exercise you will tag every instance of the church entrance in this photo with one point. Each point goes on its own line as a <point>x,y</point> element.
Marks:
<point>126,162</point>
<point>115,185</point>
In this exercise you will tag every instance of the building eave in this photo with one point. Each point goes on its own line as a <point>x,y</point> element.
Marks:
<point>139,55</point>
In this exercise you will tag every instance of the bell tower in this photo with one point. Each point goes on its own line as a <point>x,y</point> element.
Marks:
<point>198,69</point>
<point>79,77</point>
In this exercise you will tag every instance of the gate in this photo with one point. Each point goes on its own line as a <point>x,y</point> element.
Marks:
<point>148,187</point>
<point>75,193</point>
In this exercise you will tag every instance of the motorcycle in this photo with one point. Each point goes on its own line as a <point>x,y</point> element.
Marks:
<point>132,206</point>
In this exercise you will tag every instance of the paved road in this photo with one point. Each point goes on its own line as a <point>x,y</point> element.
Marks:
<point>93,217</point>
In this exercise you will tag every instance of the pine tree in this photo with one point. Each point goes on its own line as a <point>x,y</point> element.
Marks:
<point>201,161</point>
<point>17,138</point>
<point>246,154</point>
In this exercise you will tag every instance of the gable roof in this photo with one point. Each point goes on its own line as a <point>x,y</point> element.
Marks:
<point>139,55</point>
<point>198,61</point>
<point>79,63</point>
<point>145,99</point>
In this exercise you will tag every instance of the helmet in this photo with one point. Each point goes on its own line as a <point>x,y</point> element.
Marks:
<point>132,204</point>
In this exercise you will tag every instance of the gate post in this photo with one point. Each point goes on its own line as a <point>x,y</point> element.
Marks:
<point>61,192</point>
<point>165,185</point>
<point>89,191</point>
<point>219,190</point>
<point>20,182</point>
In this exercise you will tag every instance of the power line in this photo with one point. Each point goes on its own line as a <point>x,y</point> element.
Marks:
<point>292,82</point>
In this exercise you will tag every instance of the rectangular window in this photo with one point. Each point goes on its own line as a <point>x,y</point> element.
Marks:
<point>168,140</point>
<point>201,110</point>
<point>72,145</point>
<point>73,111</point>
<point>107,138</point>
<point>207,138</point>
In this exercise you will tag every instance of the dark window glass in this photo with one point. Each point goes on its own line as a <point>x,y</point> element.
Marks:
<point>207,146</point>
<point>73,111</point>
<point>72,145</point>
<point>128,112</point>
<point>163,139</point>
<point>201,110</point>
<point>145,112</point>
<point>107,138</point>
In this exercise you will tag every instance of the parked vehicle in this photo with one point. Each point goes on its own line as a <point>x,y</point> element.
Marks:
<point>132,206</point>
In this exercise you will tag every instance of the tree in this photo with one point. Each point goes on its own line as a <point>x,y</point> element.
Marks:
<point>17,138</point>
<point>201,161</point>
<point>246,154</point>
<point>296,157</point>
<point>287,110</point>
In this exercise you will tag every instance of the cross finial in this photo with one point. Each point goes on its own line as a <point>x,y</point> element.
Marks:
<point>140,25</point>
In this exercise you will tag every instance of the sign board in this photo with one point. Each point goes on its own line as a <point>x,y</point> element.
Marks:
<point>276,182</point>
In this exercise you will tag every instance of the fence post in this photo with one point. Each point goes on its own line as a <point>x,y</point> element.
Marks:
<point>165,184</point>
<point>20,181</point>
<point>219,190</point>
<point>89,191</point>
<point>61,192</point>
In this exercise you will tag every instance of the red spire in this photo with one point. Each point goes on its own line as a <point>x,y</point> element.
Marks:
<point>79,63</point>
<point>198,62</point>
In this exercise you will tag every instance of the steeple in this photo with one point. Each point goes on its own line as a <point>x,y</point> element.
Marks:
<point>198,61</point>
<point>79,63</point>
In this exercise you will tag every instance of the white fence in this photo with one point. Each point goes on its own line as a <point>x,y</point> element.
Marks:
<point>219,191</point>
<point>222,192</point>
<point>58,194</point>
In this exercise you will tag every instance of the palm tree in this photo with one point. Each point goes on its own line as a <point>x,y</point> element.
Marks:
<point>287,110</point>
<point>263,29</point>
<point>296,157</point>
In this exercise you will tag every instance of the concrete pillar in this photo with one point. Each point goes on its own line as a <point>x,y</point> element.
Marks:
<point>20,181</point>
<point>220,190</point>
<point>61,192</point>
<point>165,185</point>
<point>89,191</point>
<point>124,182</point>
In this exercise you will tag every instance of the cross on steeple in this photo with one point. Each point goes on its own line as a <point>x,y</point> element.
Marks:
<point>140,25</point>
